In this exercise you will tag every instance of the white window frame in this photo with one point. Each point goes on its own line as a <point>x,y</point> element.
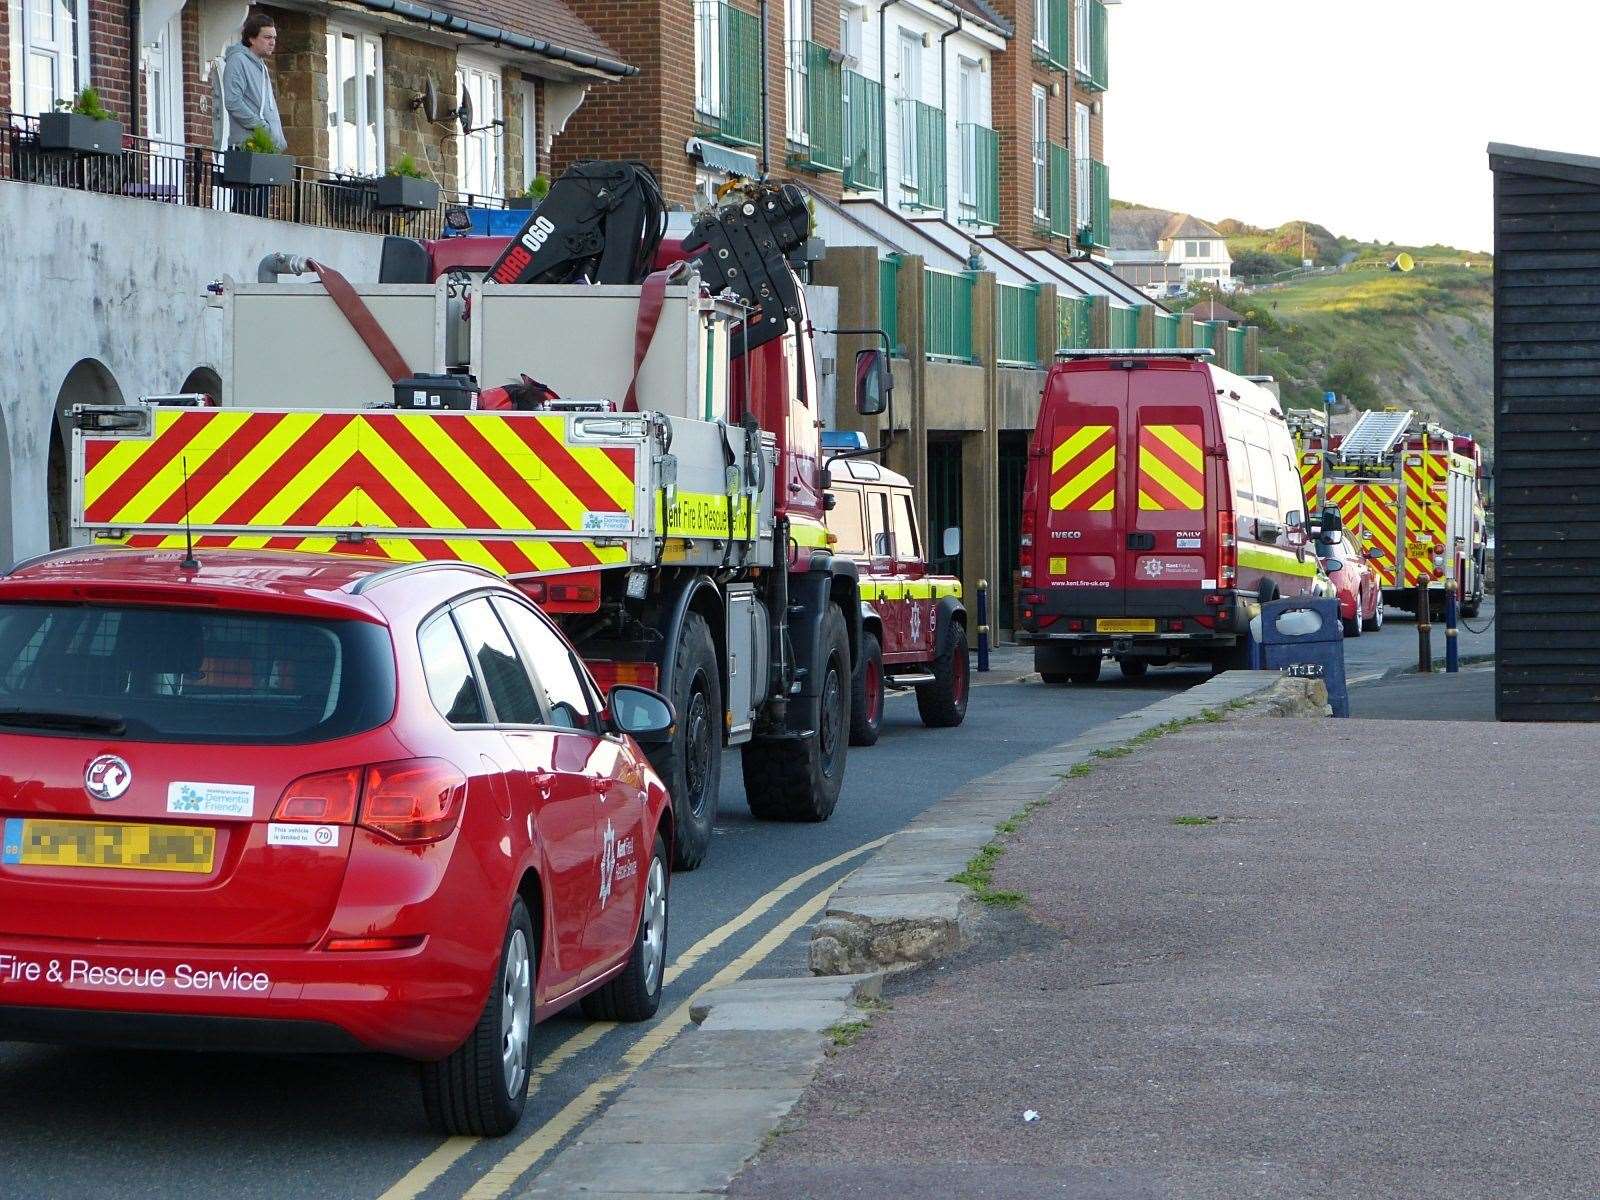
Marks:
<point>66,51</point>
<point>969,112</point>
<point>708,58</point>
<point>1080,37</point>
<point>484,144</point>
<point>909,57</point>
<point>797,14</point>
<point>1041,139</point>
<point>1085,206</point>
<point>852,19</point>
<point>161,78</point>
<point>1041,24</point>
<point>337,160</point>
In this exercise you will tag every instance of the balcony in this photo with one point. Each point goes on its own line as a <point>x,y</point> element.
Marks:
<point>1060,191</point>
<point>816,87</point>
<point>1051,49</point>
<point>1017,325</point>
<point>1090,62</point>
<point>191,176</point>
<point>922,154</point>
<point>1094,205</point>
<point>980,174</point>
<point>1074,321</point>
<point>728,90</point>
<point>863,133</point>
<point>947,315</point>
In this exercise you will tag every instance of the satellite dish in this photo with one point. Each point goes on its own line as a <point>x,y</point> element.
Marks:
<point>464,113</point>
<point>1402,262</point>
<point>430,102</point>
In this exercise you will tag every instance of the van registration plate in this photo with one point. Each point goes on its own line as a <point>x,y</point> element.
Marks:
<point>38,843</point>
<point>1125,625</point>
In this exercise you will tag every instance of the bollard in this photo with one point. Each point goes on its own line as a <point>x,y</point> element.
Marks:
<point>1452,657</point>
<point>1424,631</point>
<point>983,624</point>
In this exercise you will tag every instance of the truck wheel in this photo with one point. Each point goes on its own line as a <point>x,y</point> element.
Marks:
<point>866,694</point>
<point>1472,608</point>
<point>1084,669</point>
<point>1134,668</point>
<point>798,779</point>
<point>636,993</point>
<point>480,1090</point>
<point>691,763</point>
<point>942,704</point>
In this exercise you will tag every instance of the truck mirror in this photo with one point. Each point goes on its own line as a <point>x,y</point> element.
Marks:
<point>952,542</point>
<point>874,382</point>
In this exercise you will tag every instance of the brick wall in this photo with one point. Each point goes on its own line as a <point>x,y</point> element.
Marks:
<point>299,70</point>
<point>513,89</point>
<point>1015,73</point>
<point>407,67</point>
<point>108,59</point>
<point>196,90</point>
<point>5,57</point>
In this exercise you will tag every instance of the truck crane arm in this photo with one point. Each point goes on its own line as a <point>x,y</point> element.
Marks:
<point>601,223</point>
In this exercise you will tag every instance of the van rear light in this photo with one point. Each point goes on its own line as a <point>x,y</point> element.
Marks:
<point>1075,625</point>
<point>328,798</point>
<point>1046,621</point>
<point>1175,626</point>
<point>1227,548</point>
<point>414,801</point>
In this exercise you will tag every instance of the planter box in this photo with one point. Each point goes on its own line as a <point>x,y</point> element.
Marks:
<point>245,168</point>
<point>524,202</point>
<point>403,192</point>
<point>79,134</point>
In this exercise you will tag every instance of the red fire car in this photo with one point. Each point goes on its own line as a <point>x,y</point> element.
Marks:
<point>287,802</point>
<point>1360,590</point>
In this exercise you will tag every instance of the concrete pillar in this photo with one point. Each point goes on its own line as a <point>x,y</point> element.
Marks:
<point>1186,330</point>
<point>980,461</point>
<point>1252,350</point>
<point>908,453</point>
<point>1147,325</point>
<point>854,271</point>
<point>1100,322</point>
<point>1048,338</point>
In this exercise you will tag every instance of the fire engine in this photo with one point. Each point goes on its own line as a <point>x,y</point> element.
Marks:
<point>650,475</point>
<point>1408,489</point>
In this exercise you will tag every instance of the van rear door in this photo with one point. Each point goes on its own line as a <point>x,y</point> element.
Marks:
<point>1081,502</point>
<point>1168,524</point>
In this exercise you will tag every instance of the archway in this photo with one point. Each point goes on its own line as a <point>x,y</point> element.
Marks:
<point>89,382</point>
<point>204,379</point>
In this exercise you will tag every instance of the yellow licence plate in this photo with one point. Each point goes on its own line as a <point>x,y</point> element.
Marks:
<point>38,843</point>
<point>1118,625</point>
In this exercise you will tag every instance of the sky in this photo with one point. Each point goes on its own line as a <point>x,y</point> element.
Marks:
<point>1370,117</point>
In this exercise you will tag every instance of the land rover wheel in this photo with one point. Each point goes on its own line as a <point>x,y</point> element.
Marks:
<point>691,763</point>
<point>798,778</point>
<point>942,704</point>
<point>866,694</point>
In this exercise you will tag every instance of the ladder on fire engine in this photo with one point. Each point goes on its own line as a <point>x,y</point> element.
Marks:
<point>1374,436</point>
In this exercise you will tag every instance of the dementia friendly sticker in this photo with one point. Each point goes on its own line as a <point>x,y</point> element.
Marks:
<point>212,799</point>
<point>279,834</point>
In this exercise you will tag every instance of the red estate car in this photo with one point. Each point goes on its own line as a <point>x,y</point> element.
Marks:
<point>291,802</point>
<point>1354,578</point>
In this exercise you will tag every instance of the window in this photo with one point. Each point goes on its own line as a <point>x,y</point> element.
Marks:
<point>905,526</point>
<point>1080,37</point>
<point>969,113</point>
<point>844,521</point>
<point>48,52</point>
<point>1080,135</point>
<point>450,683</point>
<point>355,101</point>
<point>878,522</point>
<point>1264,483</point>
<point>1239,471</point>
<point>851,19</point>
<point>194,675</point>
<point>552,664</point>
<point>1041,24</point>
<point>481,166</point>
<point>1040,135</point>
<point>504,677</point>
<point>910,89</point>
<point>162,64</point>
<point>708,58</point>
<point>799,28</point>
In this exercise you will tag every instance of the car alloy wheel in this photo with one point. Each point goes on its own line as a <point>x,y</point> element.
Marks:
<point>516,1011</point>
<point>655,923</point>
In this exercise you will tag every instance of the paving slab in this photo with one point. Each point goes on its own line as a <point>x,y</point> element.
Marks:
<point>588,1168</point>
<point>734,1058</point>
<point>672,1116</point>
<point>813,1015</point>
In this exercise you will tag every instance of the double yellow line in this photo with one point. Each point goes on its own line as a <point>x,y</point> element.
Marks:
<point>502,1177</point>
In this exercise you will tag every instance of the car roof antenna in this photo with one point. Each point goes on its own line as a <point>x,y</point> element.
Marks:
<point>190,562</point>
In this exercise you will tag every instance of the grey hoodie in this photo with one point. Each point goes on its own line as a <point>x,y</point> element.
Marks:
<point>247,88</point>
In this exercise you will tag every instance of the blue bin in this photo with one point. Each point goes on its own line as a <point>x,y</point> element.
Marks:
<point>1315,654</point>
<point>497,222</point>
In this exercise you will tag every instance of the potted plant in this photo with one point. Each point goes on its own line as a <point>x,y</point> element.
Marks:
<point>83,127</point>
<point>404,187</point>
<point>531,196</point>
<point>257,163</point>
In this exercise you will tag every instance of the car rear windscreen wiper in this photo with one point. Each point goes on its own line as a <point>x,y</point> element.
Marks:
<point>41,719</point>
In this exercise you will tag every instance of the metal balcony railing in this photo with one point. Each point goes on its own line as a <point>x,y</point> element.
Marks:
<point>889,300</point>
<point>863,133</point>
<point>1017,334</point>
<point>1091,63</point>
<point>1050,44</point>
<point>1074,317</point>
<point>174,173</point>
<point>947,313</point>
<point>1060,191</point>
<point>816,85</point>
<point>728,100</point>
<point>980,174</point>
<point>1124,327</point>
<point>922,154</point>
<point>1167,330</point>
<point>1094,204</point>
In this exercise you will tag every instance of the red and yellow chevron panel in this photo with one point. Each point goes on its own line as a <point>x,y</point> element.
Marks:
<point>1311,480</point>
<point>1083,469</point>
<point>1377,527</point>
<point>1172,468</point>
<point>508,488</point>
<point>1426,510</point>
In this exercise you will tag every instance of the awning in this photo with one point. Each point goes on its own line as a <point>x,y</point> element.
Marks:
<point>720,158</point>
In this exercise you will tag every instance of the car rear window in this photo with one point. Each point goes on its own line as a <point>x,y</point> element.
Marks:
<point>192,675</point>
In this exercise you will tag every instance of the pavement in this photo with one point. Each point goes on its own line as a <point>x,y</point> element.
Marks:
<point>1436,696</point>
<point>1244,974</point>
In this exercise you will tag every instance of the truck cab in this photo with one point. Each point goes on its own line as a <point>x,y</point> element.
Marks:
<point>913,623</point>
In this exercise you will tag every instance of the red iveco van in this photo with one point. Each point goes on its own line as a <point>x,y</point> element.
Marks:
<point>1162,507</point>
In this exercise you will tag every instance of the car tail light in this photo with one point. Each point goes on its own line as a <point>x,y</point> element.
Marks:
<point>410,942</point>
<point>418,800</point>
<point>327,798</point>
<point>1227,548</point>
<point>608,673</point>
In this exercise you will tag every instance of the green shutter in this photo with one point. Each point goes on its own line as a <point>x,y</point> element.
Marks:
<point>928,164</point>
<point>983,144</point>
<point>824,103</point>
<point>1060,191</point>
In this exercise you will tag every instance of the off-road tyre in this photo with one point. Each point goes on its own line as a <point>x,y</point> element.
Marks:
<point>798,779</point>
<point>866,694</point>
<point>635,994</point>
<point>1134,668</point>
<point>691,763</point>
<point>467,1093</point>
<point>942,704</point>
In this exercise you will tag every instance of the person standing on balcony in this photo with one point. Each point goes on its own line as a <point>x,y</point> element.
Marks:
<point>247,85</point>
